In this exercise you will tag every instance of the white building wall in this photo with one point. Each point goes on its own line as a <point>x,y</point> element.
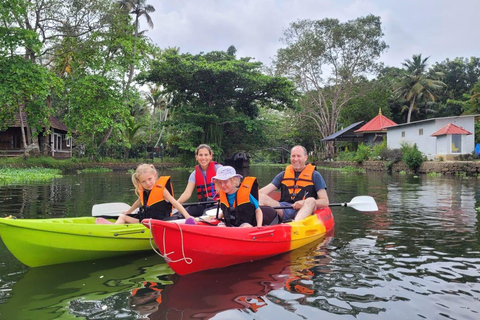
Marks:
<point>432,146</point>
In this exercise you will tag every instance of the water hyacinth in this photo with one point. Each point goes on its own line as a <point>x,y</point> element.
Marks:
<point>13,175</point>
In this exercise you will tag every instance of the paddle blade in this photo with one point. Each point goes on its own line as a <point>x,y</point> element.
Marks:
<point>112,209</point>
<point>363,203</point>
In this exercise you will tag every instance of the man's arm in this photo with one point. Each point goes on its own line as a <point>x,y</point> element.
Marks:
<point>322,200</point>
<point>267,189</point>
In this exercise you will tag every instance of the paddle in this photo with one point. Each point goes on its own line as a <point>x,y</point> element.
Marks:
<point>360,203</point>
<point>189,204</point>
<point>114,209</point>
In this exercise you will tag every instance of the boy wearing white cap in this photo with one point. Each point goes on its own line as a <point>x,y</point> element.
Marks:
<point>239,202</point>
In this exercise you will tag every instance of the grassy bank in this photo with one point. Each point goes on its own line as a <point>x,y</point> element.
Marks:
<point>75,164</point>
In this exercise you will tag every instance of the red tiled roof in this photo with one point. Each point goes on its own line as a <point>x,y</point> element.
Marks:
<point>379,123</point>
<point>451,129</point>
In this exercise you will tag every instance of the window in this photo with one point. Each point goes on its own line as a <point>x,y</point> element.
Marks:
<point>16,141</point>
<point>456,143</point>
<point>68,141</point>
<point>420,132</point>
<point>57,142</point>
<point>403,134</point>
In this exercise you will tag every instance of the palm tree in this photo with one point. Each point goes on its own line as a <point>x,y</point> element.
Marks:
<point>138,8</point>
<point>415,85</point>
<point>159,101</point>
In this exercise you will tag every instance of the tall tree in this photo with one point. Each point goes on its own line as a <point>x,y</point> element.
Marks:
<point>326,59</point>
<point>25,87</point>
<point>138,8</point>
<point>460,76</point>
<point>415,85</point>
<point>217,97</point>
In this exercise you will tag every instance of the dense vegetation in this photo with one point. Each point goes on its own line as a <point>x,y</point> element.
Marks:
<point>88,64</point>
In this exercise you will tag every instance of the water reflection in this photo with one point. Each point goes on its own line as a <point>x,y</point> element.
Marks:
<point>81,289</point>
<point>417,257</point>
<point>242,287</point>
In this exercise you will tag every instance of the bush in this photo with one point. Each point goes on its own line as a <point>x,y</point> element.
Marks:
<point>363,153</point>
<point>346,156</point>
<point>378,149</point>
<point>412,157</point>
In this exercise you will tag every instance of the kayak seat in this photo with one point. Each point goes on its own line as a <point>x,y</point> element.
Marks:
<point>270,216</point>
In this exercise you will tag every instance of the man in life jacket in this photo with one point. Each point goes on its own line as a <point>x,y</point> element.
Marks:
<point>302,188</point>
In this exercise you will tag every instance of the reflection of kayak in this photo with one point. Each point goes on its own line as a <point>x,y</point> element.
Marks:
<point>39,242</point>
<point>205,294</point>
<point>78,289</point>
<point>193,248</point>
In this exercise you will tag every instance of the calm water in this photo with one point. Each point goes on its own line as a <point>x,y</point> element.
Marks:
<point>418,257</point>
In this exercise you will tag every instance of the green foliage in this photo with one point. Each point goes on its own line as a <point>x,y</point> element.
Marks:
<point>346,169</point>
<point>217,97</point>
<point>14,175</point>
<point>95,104</point>
<point>346,156</point>
<point>348,51</point>
<point>415,86</point>
<point>460,76</point>
<point>434,174</point>
<point>368,98</point>
<point>412,157</point>
<point>363,153</point>
<point>378,149</point>
<point>25,85</point>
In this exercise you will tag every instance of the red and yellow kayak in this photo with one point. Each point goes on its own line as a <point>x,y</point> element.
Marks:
<point>193,248</point>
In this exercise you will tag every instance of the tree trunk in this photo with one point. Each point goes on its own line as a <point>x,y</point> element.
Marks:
<point>105,138</point>
<point>410,109</point>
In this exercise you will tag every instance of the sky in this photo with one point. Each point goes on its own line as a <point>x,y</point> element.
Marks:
<point>438,29</point>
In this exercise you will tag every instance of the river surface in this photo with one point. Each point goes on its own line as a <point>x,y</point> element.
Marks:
<point>418,257</point>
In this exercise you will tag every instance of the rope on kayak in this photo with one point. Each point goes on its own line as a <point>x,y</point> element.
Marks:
<point>165,256</point>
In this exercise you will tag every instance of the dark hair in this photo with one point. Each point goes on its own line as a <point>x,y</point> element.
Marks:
<point>203,146</point>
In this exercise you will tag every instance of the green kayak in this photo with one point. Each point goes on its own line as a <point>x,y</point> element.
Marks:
<point>40,242</point>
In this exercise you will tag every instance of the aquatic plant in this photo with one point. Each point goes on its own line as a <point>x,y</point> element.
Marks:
<point>14,175</point>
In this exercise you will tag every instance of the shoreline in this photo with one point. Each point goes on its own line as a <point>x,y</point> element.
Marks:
<point>469,168</point>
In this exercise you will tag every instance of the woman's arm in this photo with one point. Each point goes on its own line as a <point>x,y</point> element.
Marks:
<point>187,193</point>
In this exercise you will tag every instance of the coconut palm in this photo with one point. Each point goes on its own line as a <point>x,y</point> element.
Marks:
<point>159,101</point>
<point>138,8</point>
<point>415,85</point>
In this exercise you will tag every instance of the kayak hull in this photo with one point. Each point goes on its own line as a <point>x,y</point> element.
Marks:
<point>40,242</point>
<point>193,248</point>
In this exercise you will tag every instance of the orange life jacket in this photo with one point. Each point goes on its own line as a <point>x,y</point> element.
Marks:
<point>156,206</point>
<point>299,188</point>
<point>242,210</point>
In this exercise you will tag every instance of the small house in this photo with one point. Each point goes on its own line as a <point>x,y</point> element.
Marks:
<point>55,144</point>
<point>437,138</point>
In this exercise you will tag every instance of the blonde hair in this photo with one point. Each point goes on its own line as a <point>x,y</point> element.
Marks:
<point>204,146</point>
<point>141,169</point>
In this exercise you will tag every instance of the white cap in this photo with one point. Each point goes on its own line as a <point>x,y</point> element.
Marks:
<point>225,173</point>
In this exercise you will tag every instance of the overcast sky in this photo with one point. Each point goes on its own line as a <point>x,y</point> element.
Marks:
<point>437,28</point>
